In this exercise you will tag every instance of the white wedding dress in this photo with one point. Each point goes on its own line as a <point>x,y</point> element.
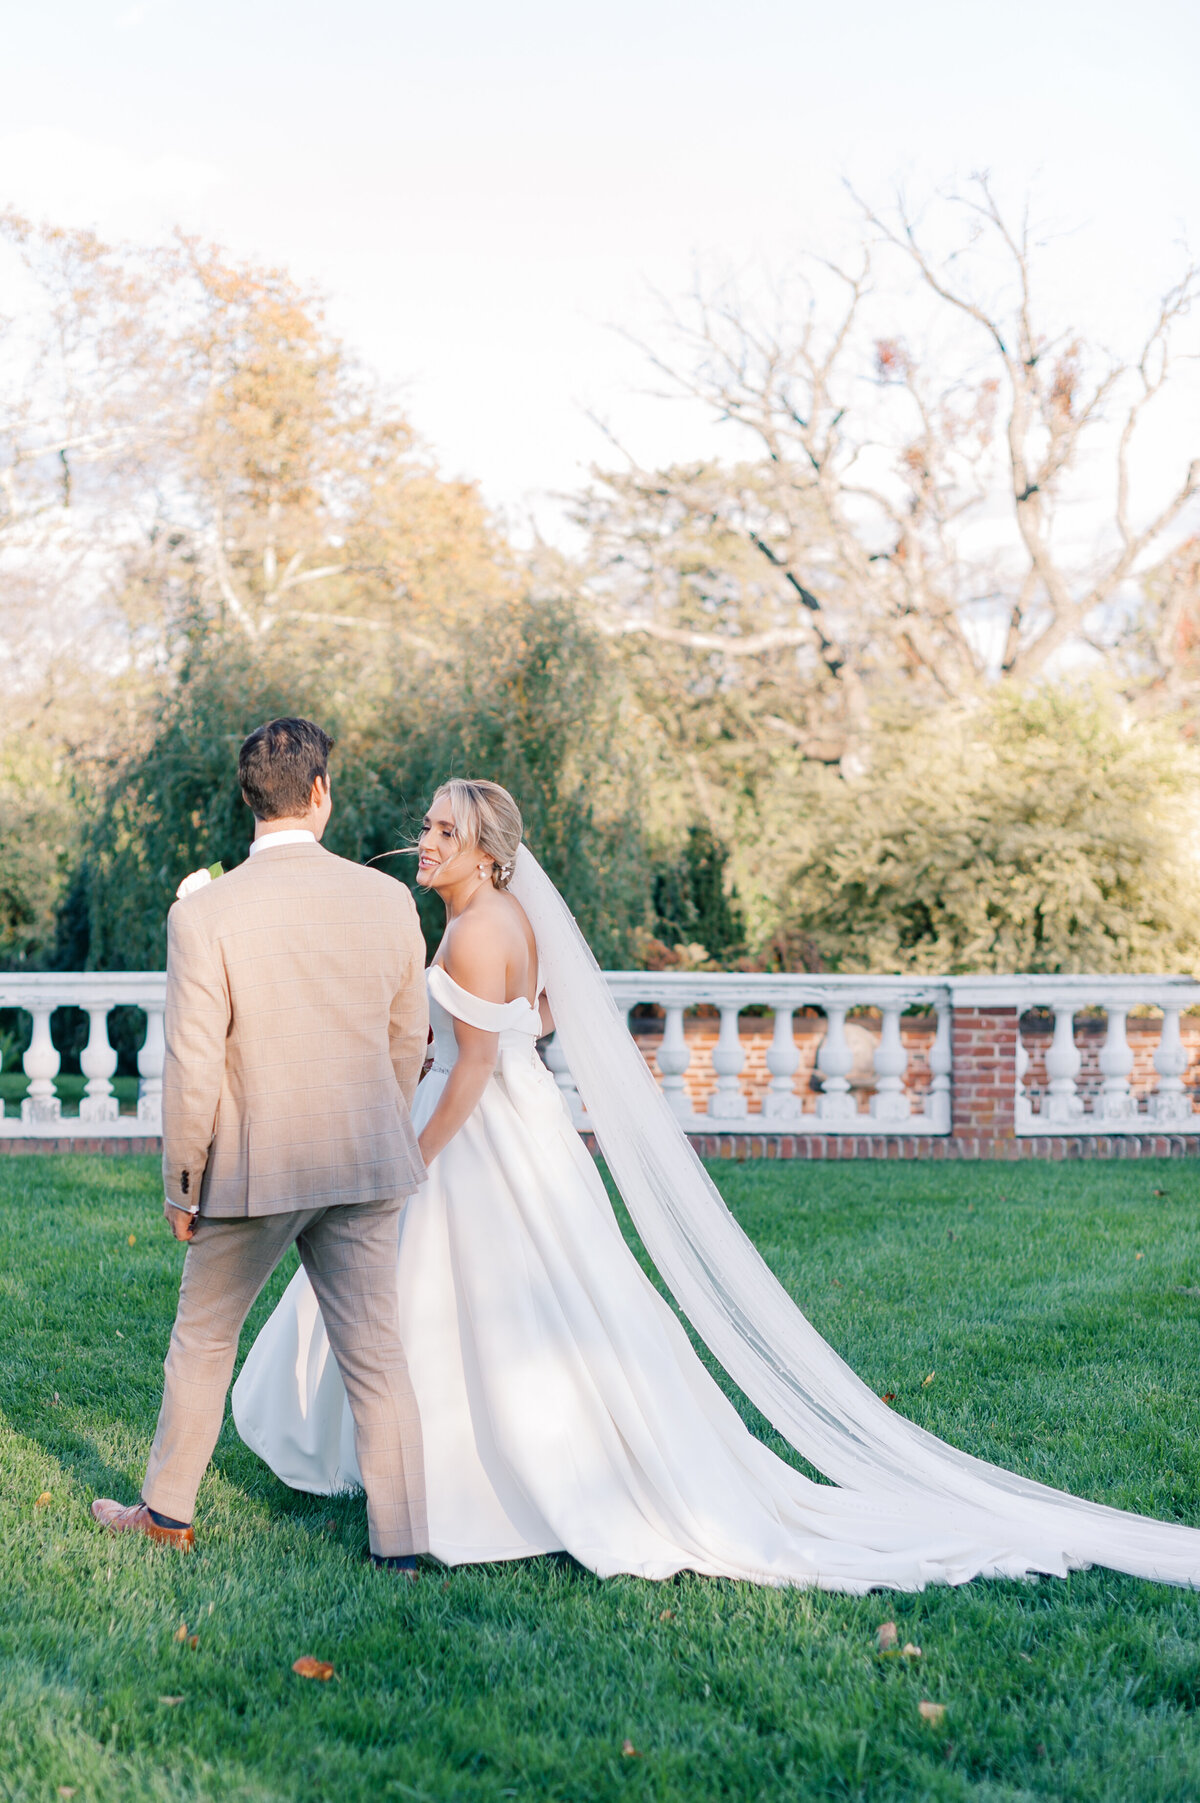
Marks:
<point>562,1405</point>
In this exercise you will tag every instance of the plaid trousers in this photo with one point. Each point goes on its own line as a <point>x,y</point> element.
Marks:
<point>349,1252</point>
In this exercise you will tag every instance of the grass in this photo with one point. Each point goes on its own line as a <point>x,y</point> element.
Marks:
<point>1058,1308</point>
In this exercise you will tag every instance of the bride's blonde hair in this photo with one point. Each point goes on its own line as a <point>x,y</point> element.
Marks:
<point>487,816</point>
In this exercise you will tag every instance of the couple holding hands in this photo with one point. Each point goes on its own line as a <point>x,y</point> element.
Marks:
<point>468,1336</point>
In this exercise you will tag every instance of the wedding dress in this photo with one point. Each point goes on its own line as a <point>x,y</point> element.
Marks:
<point>562,1404</point>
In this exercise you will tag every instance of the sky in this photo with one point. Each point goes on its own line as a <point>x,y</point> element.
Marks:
<point>491,195</point>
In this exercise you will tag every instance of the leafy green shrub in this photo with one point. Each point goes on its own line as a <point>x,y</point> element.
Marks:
<point>1054,832</point>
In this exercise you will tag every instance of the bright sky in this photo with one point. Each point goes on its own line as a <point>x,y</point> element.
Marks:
<point>485,190</point>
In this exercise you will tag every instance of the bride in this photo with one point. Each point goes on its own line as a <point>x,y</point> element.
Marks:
<point>562,1404</point>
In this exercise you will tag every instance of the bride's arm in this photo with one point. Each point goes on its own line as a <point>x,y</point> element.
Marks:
<point>471,959</point>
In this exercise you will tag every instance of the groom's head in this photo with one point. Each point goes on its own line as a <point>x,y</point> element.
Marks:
<point>283,768</point>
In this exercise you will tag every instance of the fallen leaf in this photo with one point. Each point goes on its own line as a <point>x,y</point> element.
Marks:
<point>933,1713</point>
<point>666,1615</point>
<point>181,1632</point>
<point>54,1400</point>
<point>1026,1657</point>
<point>629,1751</point>
<point>193,1641</point>
<point>1139,1255</point>
<point>308,1667</point>
<point>43,1499</point>
<point>331,1526</point>
<point>445,1584</point>
<point>66,1790</point>
<point>133,1239</point>
<point>170,1701</point>
<point>1162,1192</point>
<point>926,1381</point>
<point>889,1396</point>
<point>120,1335</point>
<point>886,1637</point>
<point>909,1651</point>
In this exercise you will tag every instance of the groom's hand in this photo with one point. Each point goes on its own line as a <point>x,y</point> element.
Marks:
<point>181,1221</point>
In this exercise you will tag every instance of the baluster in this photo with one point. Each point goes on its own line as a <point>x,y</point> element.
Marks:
<point>98,1061</point>
<point>727,1102</point>
<point>835,1061</point>
<point>1116,1101</point>
<point>781,1103</point>
<point>1170,1101</point>
<point>674,1058</point>
<point>41,1064</point>
<point>890,1103</point>
<point>1024,1105</point>
<point>150,1070</point>
<point>1062,1103</point>
<point>941,1062</point>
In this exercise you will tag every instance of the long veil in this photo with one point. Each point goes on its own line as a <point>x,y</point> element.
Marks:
<point>748,1320</point>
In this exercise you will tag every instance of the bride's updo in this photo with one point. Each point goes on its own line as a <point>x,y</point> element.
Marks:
<point>487,816</point>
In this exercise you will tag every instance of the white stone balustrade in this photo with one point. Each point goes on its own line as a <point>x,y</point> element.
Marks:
<point>1117,1093</point>
<point>891,1107</point>
<point>1115,1107</point>
<point>97,993</point>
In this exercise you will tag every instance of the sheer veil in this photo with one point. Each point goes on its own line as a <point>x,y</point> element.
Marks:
<point>750,1323</point>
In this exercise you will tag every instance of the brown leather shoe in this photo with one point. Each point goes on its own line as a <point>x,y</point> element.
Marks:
<point>135,1518</point>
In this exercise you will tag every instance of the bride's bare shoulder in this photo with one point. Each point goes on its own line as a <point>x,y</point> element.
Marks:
<point>474,956</point>
<point>483,946</point>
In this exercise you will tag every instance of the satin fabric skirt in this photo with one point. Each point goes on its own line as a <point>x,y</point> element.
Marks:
<point>562,1404</point>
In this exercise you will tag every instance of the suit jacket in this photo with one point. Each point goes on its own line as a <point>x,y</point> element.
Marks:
<point>296,1028</point>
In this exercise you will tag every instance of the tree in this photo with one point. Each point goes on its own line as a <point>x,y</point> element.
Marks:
<point>1046,832</point>
<point>528,700</point>
<point>837,559</point>
<point>195,475</point>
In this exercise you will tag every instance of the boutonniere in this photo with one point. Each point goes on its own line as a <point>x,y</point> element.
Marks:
<point>198,879</point>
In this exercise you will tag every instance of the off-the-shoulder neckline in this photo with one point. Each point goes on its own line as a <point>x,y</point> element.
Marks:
<point>518,1001</point>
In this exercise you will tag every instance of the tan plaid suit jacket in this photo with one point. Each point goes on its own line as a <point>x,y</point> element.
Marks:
<point>296,1027</point>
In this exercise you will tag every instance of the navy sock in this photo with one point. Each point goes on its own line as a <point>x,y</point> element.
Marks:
<point>165,1521</point>
<point>394,1561</point>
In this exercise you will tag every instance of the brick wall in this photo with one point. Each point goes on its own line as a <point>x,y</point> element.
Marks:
<point>984,1051</point>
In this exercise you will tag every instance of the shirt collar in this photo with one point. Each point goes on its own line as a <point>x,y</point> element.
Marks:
<point>296,836</point>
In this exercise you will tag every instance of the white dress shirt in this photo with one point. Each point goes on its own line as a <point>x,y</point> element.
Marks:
<point>299,835</point>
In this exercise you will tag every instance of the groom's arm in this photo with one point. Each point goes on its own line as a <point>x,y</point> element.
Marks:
<point>408,1024</point>
<point>196,1026</point>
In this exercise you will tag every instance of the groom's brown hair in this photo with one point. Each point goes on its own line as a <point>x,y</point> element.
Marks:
<point>278,765</point>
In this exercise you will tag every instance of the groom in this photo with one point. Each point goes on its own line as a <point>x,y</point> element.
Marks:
<point>296,1026</point>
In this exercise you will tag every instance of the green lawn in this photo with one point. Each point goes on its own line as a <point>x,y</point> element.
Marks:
<point>1058,1307</point>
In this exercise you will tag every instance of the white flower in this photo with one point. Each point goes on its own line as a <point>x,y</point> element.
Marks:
<point>191,883</point>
